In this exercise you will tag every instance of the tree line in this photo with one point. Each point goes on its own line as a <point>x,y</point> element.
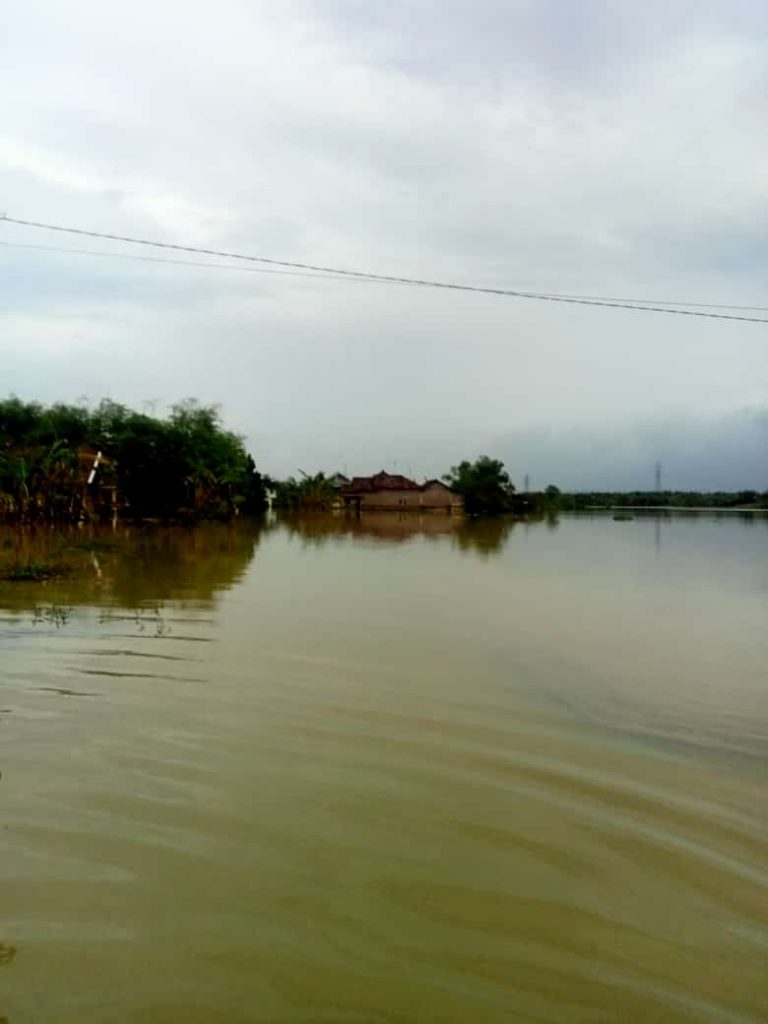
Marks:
<point>184,466</point>
<point>71,463</point>
<point>487,490</point>
<point>484,485</point>
<point>309,493</point>
<point>589,500</point>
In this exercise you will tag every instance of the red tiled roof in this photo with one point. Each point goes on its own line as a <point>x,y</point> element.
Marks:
<point>393,482</point>
<point>386,482</point>
<point>380,482</point>
<point>357,484</point>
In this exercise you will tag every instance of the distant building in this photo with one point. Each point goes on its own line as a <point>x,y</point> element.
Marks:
<point>393,492</point>
<point>437,495</point>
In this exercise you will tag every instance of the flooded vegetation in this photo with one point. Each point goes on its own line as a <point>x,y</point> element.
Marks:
<point>71,464</point>
<point>386,768</point>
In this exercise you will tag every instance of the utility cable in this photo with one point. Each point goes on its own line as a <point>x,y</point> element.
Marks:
<point>388,278</point>
<point>334,277</point>
<point>164,259</point>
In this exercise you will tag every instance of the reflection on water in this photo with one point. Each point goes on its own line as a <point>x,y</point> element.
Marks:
<point>386,769</point>
<point>128,566</point>
<point>481,536</point>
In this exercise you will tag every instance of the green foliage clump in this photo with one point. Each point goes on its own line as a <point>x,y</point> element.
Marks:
<point>484,485</point>
<point>184,466</point>
<point>312,493</point>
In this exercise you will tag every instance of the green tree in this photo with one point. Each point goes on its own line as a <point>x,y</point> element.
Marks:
<point>311,493</point>
<point>186,466</point>
<point>484,485</point>
<point>552,497</point>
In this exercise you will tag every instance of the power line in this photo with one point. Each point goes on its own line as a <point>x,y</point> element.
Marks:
<point>388,278</point>
<point>336,277</point>
<point>162,259</point>
<point>663,302</point>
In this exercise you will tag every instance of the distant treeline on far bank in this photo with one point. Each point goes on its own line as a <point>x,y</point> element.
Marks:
<point>71,463</point>
<point>589,500</point>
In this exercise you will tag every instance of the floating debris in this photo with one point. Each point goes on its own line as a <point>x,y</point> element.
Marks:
<point>65,692</point>
<point>7,953</point>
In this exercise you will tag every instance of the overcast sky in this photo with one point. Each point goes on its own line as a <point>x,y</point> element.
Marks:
<point>596,148</point>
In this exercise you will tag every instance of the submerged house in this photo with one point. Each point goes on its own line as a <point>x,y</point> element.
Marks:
<point>396,493</point>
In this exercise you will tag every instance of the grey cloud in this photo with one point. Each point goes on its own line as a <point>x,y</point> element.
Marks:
<point>696,453</point>
<point>726,247</point>
<point>588,46</point>
<point>596,147</point>
<point>76,283</point>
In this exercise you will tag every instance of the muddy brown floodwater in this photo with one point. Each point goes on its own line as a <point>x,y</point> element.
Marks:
<point>389,770</point>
